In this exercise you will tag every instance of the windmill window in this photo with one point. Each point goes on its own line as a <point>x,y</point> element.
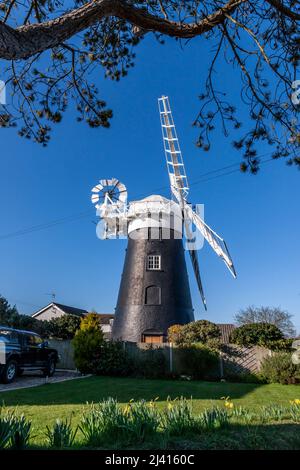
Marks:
<point>154,262</point>
<point>153,295</point>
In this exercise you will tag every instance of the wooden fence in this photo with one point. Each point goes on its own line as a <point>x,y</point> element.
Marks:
<point>65,351</point>
<point>240,360</point>
<point>233,359</point>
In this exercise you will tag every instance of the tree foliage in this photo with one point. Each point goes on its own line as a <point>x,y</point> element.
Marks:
<point>87,343</point>
<point>274,315</point>
<point>257,334</point>
<point>9,316</point>
<point>8,313</point>
<point>200,331</point>
<point>175,334</point>
<point>52,49</point>
<point>63,327</point>
<point>91,321</point>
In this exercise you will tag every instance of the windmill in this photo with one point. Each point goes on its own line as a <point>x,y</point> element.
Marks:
<point>154,291</point>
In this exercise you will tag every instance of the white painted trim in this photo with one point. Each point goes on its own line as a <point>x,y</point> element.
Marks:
<point>48,306</point>
<point>41,310</point>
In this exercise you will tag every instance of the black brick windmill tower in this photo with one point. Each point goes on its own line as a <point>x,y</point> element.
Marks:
<point>154,291</point>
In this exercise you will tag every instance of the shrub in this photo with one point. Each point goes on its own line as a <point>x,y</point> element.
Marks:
<point>150,363</point>
<point>260,334</point>
<point>280,369</point>
<point>175,334</point>
<point>284,344</point>
<point>201,331</point>
<point>87,343</point>
<point>111,359</point>
<point>198,361</point>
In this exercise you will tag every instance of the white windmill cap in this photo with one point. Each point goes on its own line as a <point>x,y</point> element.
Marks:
<point>154,211</point>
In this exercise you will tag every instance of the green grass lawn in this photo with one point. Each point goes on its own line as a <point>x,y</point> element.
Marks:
<point>44,404</point>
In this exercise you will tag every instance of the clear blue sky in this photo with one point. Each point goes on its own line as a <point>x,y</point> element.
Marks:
<point>257,215</point>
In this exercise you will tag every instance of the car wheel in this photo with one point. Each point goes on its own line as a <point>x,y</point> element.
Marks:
<point>9,372</point>
<point>50,370</point>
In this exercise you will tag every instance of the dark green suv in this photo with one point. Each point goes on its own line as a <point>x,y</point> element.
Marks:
<point>22,351</point>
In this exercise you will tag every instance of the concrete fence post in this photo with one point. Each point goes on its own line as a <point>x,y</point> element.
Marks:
<point>171,356</point>
<point>221,365</point>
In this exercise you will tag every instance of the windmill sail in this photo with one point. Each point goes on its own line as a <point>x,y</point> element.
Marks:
<point>216,242</point>
<point>180,189</point>
<point>175,165</point>
<point>195,264</point>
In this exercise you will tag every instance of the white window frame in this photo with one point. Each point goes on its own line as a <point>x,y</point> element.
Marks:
<point>154,262</point>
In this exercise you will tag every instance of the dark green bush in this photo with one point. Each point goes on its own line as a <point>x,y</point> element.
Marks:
<point>257,334</point>
<point>150,363</point>
<point>284,344</point>
<point>280,369</point>
<point>111,359</point>
<point>198,361</point>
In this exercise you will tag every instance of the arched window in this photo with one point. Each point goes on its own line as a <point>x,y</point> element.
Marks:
<point>153,295</point>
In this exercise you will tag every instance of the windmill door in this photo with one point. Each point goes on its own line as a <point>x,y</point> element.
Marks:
<point>153,339</point>
<point>152,336</point>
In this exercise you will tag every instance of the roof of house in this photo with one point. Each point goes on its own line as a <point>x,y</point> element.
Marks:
<point>226,329</point>
<point>79,312</point>
<point>106,317</point>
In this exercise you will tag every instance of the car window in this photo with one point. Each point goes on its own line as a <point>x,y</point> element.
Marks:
<point>32,340</point>
<point>8,336</point>
<point>38,340</point>
<point>29,340</point>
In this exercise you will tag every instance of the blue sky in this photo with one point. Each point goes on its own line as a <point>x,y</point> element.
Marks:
<point>257,215</point>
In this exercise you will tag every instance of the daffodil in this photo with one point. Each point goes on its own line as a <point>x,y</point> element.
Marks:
<point>127,410</point>
<point>230,404</point>
<point>296,401</point>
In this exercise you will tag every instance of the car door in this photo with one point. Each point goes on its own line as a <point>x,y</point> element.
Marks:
<point>30,351</point>
<point>40,351</point>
